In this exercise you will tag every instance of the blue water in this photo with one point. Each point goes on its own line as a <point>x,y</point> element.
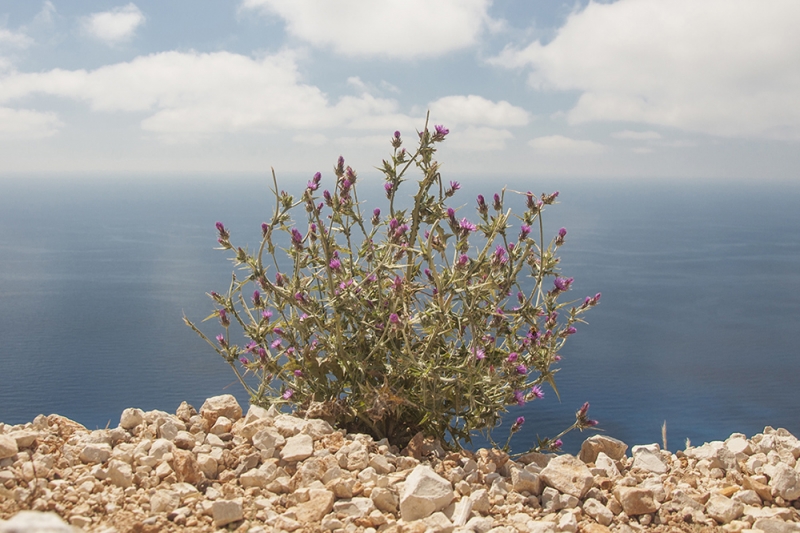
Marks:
<point>697,324</point>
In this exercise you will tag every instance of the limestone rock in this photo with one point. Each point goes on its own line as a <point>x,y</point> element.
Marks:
<point>598,511</point>
<point>130,418</point>
<point>568,475</point>
<point>772,525</point>
<point>297,448</point>
<point>217,406</point>
<point>186,467</point>
<point>8,447</point>
<point>723,509</point>
<point>120,474</point>
<point>354,507</point>
<point>268,438</point>
<point>164,501</point>
<point>648,457</point>
<point>25,438</point>
<point>36,522</point>
<point>636,501</point>
<point>716,453</point>
<point>226,511</point>
<point>424,493</point>
<point>522,480</point>
<point>596,444</point>
<point>320,503</point>
<point>784,480</point>
<point>96,453</point>
<point>385,499</point>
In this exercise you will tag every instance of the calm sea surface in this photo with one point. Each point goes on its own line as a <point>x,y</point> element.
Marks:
<point>698,323</point>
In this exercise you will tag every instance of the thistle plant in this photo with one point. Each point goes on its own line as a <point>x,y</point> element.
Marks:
<point>423,317</point>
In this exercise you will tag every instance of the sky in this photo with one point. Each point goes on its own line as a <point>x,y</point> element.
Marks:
<point>644,89</point>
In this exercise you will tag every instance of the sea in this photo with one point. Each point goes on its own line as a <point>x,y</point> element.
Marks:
<point>697,326</point>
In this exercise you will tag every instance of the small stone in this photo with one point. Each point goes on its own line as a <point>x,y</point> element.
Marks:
<point>186,467</point>
<point>160,448</point>
<point>567,523</point>
<point>96,453</point>
<point>268,438</point>
<point>354,507</point>
<point>217,406</point>
<point>226,511</point>
<point>761,489</point>
<point>222,425</point>
<point>80,521</point>
<point>461,512</point>
<point>607,464</point>
<point>594,528</point>
<point>288,425</point>
<point>482,524</point>
<point>424,493</point>
<point>437,522</point>
<point>385,499</point>
<point>184,440</point>
<point>130,418</point>
<point>381,464</point>
<point>636,501</point>
<point>772,525</point>
<point>522,480</point>
<point>35,522</point>
<point>568,475</point>
<point>320,503</point>
<point>25,438</point>
<point>164,501</point>
<point>600,443</point>
<point>723,509</point>
<point>8,447</point>
<point>598,511</point>
<point>784,480</point>
<point>480,501</point>
<point>297,448</point>
<point>120,474</point>
<point>648,457</point>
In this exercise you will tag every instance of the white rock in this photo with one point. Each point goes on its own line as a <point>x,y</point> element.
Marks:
<point>164,501</point>
<point>462,512</point>
<point>120,474</point>
<point>268,438</point>
<point>785,481</point>
<point>567,523</point>
<point>96,453</point>
<point>522,480</point>
<point>298,448</point>
<point>437,522</point>
<point>481,524</point>
<point>130,418</point>
<point>606,463</point>
<point>8,447</point>
<point>160,448</point>
<point>289,425</point>
<point>568,475</point>
<point>772,525</point>
<point>716,453</point>
<point>596,444</point>
<point>354,507</point>
<point>35,522</point>
<point>424,493</point>
<point>224,405</point>
<point>480,501</point>
<point>222,425</point>
<point>226,511</point>
<point>598,511</point>
<point>648,457</point>
<point>317,428</point>
<point>385,499</point>
<point>25,438</point>
<point>723,509</point>
<point>738,445</point>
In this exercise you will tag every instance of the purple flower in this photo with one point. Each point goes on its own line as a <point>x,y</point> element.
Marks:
<point>562,232</point>
<point>297,237</point>
<point>482,209</point>
<point>388,188</point>
<point>454,185</point>
<point>277,331</point>
<point>264,229</point>
<point>262,353</point>
<point>467,226</point>
<point>519,397</point>
<point>275,344</point>
<point>221,340</point>
<point>536,393</point>
<point>441,131</point>
<point>570,330</point>
<point>463,259</point>
<point>480,355</point>
<point>562,284</point>
<point>556,444</point>
<point>335,264</point>
<point>520,420</point>
<point>298,373</point>
<point>497,204</point>
<point>451,214</point>
<point>524,230</point>
<point>266,314</point>
<point>244,360</point>
<point>522,369</point>
<point>256,298</point>
<point>220,228</point>
<point>396,134</point>
<point>250,347</point>
<point>223,318</point>
<point>394,319</point>
<point>288,394</point>
<point>512,357</point>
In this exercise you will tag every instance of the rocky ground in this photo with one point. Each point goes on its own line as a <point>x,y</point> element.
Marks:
<point>265,471</point>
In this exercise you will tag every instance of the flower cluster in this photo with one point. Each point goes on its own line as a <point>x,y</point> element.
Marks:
<point>393,322</point>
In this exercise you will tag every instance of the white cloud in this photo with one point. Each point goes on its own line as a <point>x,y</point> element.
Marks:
<point>629,135</point>
<point>27,124</point>
<point>114,26</point>
<point>560,146</point>
<point>363,28</point>
<point>14,39</point>
<point>481,139</point>
<point>189,95</point>
<point>720,67</point>
<point>476,110</point>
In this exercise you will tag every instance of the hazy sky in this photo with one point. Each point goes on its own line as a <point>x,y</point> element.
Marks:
<point>640,88</point>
